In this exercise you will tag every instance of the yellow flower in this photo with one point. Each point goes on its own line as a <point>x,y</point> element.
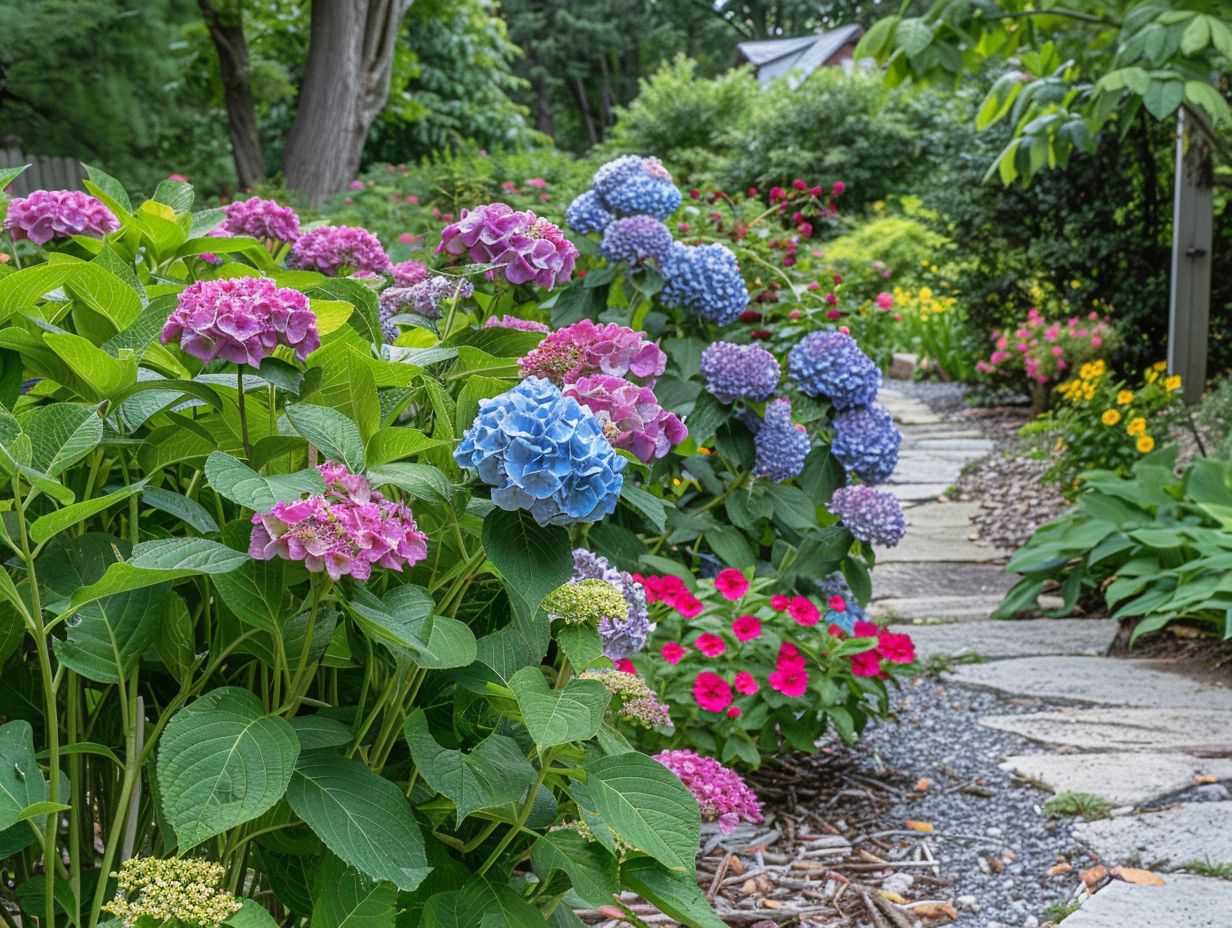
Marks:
<point>923,262</point>
<point>1173,383</point>
<point>1075,284</point>
<point>1159,366</point>
<point>1151,376</point>
<point>1125,397</point>
<point>1145,444</point>
<point>1088,391</point>
<point>1136,426</point>
<point>926,293</point>
<point>1110,417</point>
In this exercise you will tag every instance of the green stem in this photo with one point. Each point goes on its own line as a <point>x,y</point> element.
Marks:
<point>294,695</point>
<point>523,815</point>
<point>132,770</point>
<point>239,380</point>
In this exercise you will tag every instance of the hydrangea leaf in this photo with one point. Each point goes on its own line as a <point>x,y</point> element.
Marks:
<point>344,898</point>
<point>106,638</point>
<point>234,480</point>
<point>676,895</point>
<point>21,783</point>
<point>590,867</point>
<point>331,431</point>
<point>553,717</point>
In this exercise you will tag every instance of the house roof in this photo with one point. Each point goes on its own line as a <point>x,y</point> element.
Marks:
<point>775,58</point>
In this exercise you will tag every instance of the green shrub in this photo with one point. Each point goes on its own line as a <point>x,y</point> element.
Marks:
<point>898,244</point>
<point>1214,419</point>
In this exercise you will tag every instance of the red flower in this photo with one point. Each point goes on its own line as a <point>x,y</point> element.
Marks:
<point>694,193</point>
<point>779,602</point>
<point>897,649</point>
<point>688,605</point>
<point>673,652</point>
<point>711,692</point>
<point>865,630</point>
<point>832,299</point>
<point>837,603</point>
<point>777,193</point>
<point>815,191</point>
<point>790,678</point>
<point>836,632</point>
<point>710,645</point>
<point>750,315</point>
<point>799,184</point>
<point>626,666</point>
<point>752,191</point>
<point>834,314</point>
<point>760,334</point>
<point>734,712</point>
<point>746,627</point>
<point>731,583</point>
<point>866,664</point>
<point>746,685</point>
<point>803,611</point>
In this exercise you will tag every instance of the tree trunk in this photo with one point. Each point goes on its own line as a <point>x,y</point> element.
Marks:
<point>609,116</point>
<point>346,84</point>
<point>225,23</point>
<point>579,93</point>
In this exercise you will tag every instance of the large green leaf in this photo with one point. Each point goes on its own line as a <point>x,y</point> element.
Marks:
<point>495,773</point>
<point>21,782</point>
<point>573,713</point>
<point>333,432</point>
<point>61,434</point>
<point>344,898</point>
<point>532,559</point>
<point>106,638</point>
<point>186,510</point>
<point>257,593</point>
<point>222,762</point>
<point>160,561</point>
<point>674,894</point>
<point>643,803</point>
<point>233,479</point>
<point>590,866</point>
<point>481,904</point>
<point>45,527</point>
<point>361,817</point>
<point>403,622</point>
<point>99,375</point>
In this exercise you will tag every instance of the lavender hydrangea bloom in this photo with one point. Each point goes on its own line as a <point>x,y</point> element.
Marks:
<point>705,278</point>
<point>513,322</point>
<point>586,214</point>
<point>525,247</point>
<point>620,639</point>
<point>632,185</point>
<point>740,372</point>
<point>425,297</point>
<point>633,239</point>
<point>545,453</point>
<point>409,273</point>
<point>781,445</point>
<point>866,442</point>
<point>48,214</point>
<point>265,220</point>
<point>830,365</point>
<point>630,415</point>
<point>338,250</point>
<point>871,515</point>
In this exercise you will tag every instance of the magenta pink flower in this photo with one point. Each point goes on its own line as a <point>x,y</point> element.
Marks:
<point>343,532</point>
<point>779,602</point>
<point>241,319</point>
<point>803,611</point>
<point>265,220</point>
<point>630,415</point>
<point>787,652</point>
<point>866,664</point>
<point>710,645</point>
<point>48,214</point>
<point>338,251</point>
<point>746,627</point>
<point>746,684</point>
<point>688,605</point>
<point>408,273</point>
<point>734,712</point>
<point>721,794</point>
<point>897,649</point>
<point>569,354</point>
<point>528,248</point>
<point>731,583</point>
<point>673,653</point>
<point>513,322</point>
<point>790,678</point>
<point>711,692</point>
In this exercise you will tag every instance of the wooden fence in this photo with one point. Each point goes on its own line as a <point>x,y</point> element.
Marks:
<point>46,172</point>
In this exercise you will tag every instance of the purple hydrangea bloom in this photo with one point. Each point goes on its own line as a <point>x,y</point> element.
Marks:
<point>586,347</point>
<point>586,214</point>
<point>241,319</point>
<point>721,794</point>
<point>265,220</point>
<point>740,372</point>
<point>48,214</point>
<point>630,414</point>
<point>425,297</point>
<point>636,238</point>
<point>513,322</point>
<point>705,278</point>
<point>781,445</point>
<point>545,453</point>
<point>632,185</point>
<point>345,532</point>
<point>409,273</point>
<point>339,250</point>
<point>620,638</point>
<point>871,515</point>
<point>527,248</point>
<point>830,365</point>
<point>866,442</point>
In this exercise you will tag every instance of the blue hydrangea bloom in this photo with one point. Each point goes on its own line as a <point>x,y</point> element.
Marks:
<point>543,452</point>
<point>830,365</point>
<point>632,185</point>
<point>740,372</point>
<point>835,584</point>
<point>705,278</point>
<point>866,442</point>
<point>871,515</point>
<point>781,445</point>
<point>586,214</point>
<point>633,239</point>
<point>620,637</point>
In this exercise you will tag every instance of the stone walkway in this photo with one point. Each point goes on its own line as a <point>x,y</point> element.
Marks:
<point>1152,744</point>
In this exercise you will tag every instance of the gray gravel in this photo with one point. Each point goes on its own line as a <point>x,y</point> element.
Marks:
<point>938,738</point>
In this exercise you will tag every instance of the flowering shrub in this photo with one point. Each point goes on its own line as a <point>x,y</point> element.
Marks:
<point>1045,351</point>
<point>48,214</point>
<point>340,251</point>
<point>934,327</point>
<point>526,248</point>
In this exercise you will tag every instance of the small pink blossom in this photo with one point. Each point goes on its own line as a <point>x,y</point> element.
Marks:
<point>731,584</point>
<point>746,627</point>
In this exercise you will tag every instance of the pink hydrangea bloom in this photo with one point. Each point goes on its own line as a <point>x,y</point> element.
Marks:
<point>630,415</point>
<point>585,347</point>
<point>241,319</point>
<point>344,532</point>
<point>48,214</point>
<point>339,250</point>
<point>408,273</point>
<point>513,322</point>
<point>721,794</point>
<point>527,247</point>
<point>265,220</point>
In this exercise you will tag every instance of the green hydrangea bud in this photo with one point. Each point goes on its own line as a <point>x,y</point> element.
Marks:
<point>586,602</point>
<point>184,891</point>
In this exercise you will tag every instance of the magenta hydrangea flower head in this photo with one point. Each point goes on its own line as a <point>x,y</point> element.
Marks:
<point>265,220</point>
<point>527,248</point>
<point>746,372</point>
<point>345,532</point>
<point>721,793</point>
<point>871,515</point>
<point>409,273</point>
<point>513,322</point>
<point>338,251</point>
<point>630,415</point>
<point>585,347</point>
<point>241,319</point>
<point>48,214</point>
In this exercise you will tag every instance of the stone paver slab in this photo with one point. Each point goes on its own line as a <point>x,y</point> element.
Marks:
<point>914,492</point>
<point>1165,840</point>
<point>999,640</point>
<point>1100,680</point>
<point>1124,778</point>
<point>972,447</point>
<point>908,581</point>
<point>927,467</point>
<point>938,545</point>
<point>966,609</point>
<point>1121,729</point>
<point>1185,902</point>
<point>954,516</point>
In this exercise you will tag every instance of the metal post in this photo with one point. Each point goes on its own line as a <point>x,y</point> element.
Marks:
<point>1192,222</point>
